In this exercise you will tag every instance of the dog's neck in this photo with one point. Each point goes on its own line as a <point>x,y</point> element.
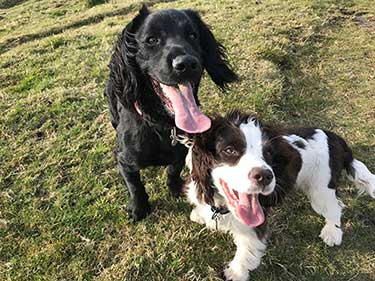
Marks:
<point>219,206</point>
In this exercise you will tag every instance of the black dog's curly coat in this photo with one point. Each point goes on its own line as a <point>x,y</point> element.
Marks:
<point>159,57</point>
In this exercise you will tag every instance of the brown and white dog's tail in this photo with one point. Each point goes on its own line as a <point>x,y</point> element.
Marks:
<point>356,171</point>
<point>361,176</point>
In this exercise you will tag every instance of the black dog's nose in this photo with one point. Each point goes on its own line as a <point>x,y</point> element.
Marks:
<point>261,176</point>
<point>185,63</point>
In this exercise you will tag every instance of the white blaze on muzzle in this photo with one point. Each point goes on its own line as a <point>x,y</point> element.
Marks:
<point>234,183</point>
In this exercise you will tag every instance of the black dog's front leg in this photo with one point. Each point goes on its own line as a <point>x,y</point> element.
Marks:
<point>174,180</point>
<point>138,207</point>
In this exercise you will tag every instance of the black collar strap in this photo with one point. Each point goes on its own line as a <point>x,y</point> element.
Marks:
<point>218,211</point>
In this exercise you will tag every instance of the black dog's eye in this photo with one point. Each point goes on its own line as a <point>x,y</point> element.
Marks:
<point>230,151</point>
<point>152,41</point>
<point>193,36</point>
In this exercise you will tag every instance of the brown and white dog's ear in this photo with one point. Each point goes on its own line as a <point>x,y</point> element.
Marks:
<point>238,117</point>
<point>202,162</point>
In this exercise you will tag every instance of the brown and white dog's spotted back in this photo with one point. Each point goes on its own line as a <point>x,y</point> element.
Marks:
<point>245,167</point>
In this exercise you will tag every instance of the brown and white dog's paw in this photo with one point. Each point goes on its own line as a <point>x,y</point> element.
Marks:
<point>195,217</point>
<point>235,274</point>
<point>331,235</point>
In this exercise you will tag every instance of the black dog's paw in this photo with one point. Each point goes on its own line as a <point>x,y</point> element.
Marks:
<point>176,187</point>
<point>138,211</point>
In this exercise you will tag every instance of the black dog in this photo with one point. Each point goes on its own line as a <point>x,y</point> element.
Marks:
<point>155,72</point>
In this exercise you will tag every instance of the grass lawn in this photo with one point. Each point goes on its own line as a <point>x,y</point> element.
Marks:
<point>62,203</point>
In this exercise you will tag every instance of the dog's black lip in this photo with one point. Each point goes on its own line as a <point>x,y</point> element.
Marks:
<point>164,99</point>
<point>174,84</point>
<point>161,82</point>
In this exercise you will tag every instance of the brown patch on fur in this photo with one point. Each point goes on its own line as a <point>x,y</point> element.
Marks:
<point>285,162</point>
<point>202,163</point>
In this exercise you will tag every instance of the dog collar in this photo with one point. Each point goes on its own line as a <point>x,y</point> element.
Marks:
<point>175,138</point>
<point>183,139</point>
<point>218,211</point>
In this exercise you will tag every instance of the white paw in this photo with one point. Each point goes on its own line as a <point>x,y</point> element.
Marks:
<point>367,187</point>
<point>371,190</point>
<point>331,235</point>
<point>194,216</point>
<point>233,274</point>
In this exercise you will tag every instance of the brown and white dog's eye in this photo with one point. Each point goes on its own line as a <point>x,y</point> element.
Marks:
<point>229,150</point>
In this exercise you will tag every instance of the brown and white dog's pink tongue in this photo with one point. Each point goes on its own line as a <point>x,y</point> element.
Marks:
<point>247,206</point>
<point>187,115</point>
<point>249,209</point>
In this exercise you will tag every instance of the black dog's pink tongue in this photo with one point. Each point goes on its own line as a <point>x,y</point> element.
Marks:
<point>187,115</point>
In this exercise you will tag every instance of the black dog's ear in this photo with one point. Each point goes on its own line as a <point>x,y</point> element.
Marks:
<point>214,54</point>
<point>133,26</point>
<point>203,159</point>
<point>202,162</point>
<point>128,36</point>
<point>122,83</point>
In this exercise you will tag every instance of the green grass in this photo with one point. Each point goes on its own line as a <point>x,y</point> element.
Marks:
<point>92,3</point>
<point>62,203</point>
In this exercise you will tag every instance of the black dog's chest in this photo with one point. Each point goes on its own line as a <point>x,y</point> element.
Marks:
<point>161,152</point>
<point>149,147</point>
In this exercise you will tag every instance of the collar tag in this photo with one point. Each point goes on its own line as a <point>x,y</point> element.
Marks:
<point>173,136</point>
<point>183,139</point>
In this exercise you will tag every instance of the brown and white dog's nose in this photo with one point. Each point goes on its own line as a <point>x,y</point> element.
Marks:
<point>185,63</point>
<point>262,177</point>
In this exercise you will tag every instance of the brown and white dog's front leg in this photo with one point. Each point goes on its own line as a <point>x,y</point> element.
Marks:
<point>249,252</point>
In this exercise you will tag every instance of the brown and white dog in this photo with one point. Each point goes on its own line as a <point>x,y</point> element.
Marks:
<point>241,167</point>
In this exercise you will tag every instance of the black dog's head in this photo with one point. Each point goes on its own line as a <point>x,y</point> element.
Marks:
<point>163,55</point>
<point>169,49</point>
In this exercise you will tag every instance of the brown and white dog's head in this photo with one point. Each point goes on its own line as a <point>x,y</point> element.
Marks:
<point>231,159</point>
